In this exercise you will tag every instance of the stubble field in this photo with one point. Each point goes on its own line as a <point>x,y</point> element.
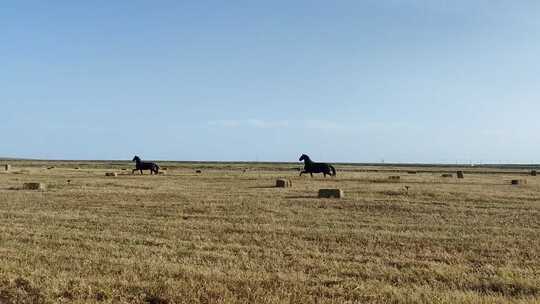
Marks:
<point>227,235</point>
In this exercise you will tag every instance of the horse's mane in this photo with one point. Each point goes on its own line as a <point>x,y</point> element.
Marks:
<point>305,158</point>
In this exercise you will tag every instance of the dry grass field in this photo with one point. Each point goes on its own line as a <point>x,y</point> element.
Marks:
<point>227,235</point>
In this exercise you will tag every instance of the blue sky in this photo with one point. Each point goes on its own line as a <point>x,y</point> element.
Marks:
<point>357,81</point>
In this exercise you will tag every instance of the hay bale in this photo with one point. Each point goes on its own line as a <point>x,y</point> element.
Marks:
<point>162,173</point>
<point>460,174</point>
<point>198,171</point>
<point>447,175</point>
<point>7,167</point>
<point>394,177</point>
<point>283,183</point>
<point>331,193</point>
<point>518,182</point>
<point>34,186</point>
<point>112,174</point>
<point>77,168</point>
<point>533,173</point>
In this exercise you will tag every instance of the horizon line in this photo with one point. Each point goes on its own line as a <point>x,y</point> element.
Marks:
<point>385,164</point>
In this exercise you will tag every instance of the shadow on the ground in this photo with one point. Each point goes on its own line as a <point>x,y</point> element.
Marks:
<point>262,187</point>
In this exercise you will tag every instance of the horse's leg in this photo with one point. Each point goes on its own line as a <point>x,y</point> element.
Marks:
<point>141,172</point>
<point>311,174</point>
<point>302,173</point>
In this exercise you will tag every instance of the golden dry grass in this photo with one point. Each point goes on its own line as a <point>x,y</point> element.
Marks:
<point>229,236</point>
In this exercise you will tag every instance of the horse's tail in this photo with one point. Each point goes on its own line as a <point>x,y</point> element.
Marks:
<point>333,170</point>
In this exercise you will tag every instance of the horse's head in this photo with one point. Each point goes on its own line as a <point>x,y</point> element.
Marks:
<point>136,159</point>
<point>304,157</point>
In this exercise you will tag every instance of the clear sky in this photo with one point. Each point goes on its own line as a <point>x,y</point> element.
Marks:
<point>357,81</point>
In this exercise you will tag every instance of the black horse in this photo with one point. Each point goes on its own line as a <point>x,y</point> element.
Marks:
<point>313,167</point>
<point>140,166</point>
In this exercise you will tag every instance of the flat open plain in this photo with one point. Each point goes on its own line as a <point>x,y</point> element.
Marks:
<point>227,235</point>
